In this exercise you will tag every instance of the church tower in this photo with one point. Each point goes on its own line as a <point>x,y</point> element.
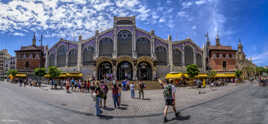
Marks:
<point>34,40</point>
<point>217,40</point>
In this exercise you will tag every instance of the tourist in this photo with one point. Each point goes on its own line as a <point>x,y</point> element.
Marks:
<point>98,99</point>
<point>169,95</point>
<point>119,93</point>
<point>75,85</point>
<point>72,84</point>
<point>115,96</point>
<point>93,86</point>
<point>67,83</point>
<point>79,85</point>
<point>141,88</point>
<point>20,82</point>
<point>104,89</point>
<point>88,85</point>
<point>132,90</point>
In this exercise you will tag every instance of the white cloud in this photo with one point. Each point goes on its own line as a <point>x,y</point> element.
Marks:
<point>200,2</point>
<point>77,16</point>
<point>18,34</point>
<point>260,58</point>
<point>186,4</point>
<point>194,27</point>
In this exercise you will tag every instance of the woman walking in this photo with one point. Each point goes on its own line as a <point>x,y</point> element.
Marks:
<point>132,90</point>
<point>115,96</point>
<point>98,99</point>
<point>67,85</point>
<point>119,94</point>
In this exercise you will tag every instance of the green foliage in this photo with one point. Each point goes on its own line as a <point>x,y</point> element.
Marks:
<point>12,72</point>
<point>260,70</point>
<point>40,72</point>
<point>212,74</point>
<point>192,70</point>
<point>53,71</point>
<point>238,73</point>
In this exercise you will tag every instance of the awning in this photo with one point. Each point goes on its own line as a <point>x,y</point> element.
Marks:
<point>62,75</point>
<point>21,75</point>
<point>174,75</point>
<point>202,75</point>
<point>225,75</point>
<point>74,75</point>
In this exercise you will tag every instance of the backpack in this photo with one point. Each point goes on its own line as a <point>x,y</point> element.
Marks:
<point>168,92</point>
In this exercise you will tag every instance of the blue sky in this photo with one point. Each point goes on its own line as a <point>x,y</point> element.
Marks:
<point>232,19</point>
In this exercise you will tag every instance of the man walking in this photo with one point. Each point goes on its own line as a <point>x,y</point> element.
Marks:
<point>169,95</point>
<point>141,92</point>
<point>98,99</point>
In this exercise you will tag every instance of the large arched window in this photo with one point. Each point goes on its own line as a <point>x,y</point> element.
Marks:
<point>143,47</point>
<point>72,57</point>
<point>177,57</point>
<point>189,55</point>
<point>124,43</point>
<point>88,54</point>
<point>61,56</point>
<point>199,60</point>
<point>106,47</point>
<point>161,54</point>
<point>51,60</point>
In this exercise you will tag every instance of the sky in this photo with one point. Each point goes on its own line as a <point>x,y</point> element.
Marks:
<point>246,20</point>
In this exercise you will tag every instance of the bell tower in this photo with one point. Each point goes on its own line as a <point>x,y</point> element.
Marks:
<point>34,40</point>
<point>217,40</point>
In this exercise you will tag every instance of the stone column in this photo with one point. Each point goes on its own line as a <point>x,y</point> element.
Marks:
<point>114,72</point>
<point>204,56</point>
<point>170,60</point>
<point>134,54</point>
<point>195,51</point>
<point>97,43</point>
<point>135,73</point>
<point>47,59</point>
<point>154,74</point>
<point>115,43</point>
<point>152,43</point>
<point>79,56</point>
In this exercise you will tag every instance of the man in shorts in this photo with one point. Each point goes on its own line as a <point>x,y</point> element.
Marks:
<point>169,95</point>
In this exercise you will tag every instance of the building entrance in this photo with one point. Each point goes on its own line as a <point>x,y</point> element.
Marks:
<point>144,71</point>
<point>124,71</point>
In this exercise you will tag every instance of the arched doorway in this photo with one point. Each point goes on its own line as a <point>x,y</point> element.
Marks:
<point>105,70</point>
<point>144,71</point>
<point>124,71</point>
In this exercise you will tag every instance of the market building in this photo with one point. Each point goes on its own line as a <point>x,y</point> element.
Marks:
<point>4,58</point>
<point>126,51</point>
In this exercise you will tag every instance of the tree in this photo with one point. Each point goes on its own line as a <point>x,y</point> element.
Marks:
<point>259,71</point>
<point>212,75</point>
<point>192,70</point>
<point>12,72</point>
<point>238,74</point>
<point>40,72</point>
<point>53,72</point>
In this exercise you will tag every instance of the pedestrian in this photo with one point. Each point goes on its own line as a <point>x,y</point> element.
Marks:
<point>75,85</point>
<point>25,82</point>
<point>141,90</point>
<point>115,96</point>
<point>67,85</point>
<point>88,86</point>
<point>93,86</point>
<point>169,95</point>
<point>98,93</point>
<point>72,84</point>
<point>20,82</point>
<point>104,89</point>
<point>119,93</point>
<point>79,85</point>
<point>132,90</point>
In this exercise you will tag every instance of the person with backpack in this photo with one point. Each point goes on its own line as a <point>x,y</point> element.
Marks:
<point>104,89</point>
<point>141,92</point>
<point>169,95</point>
<point>115,91</point>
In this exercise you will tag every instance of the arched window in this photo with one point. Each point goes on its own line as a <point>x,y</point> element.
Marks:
<point>161,54</point>
<point>143,47</point>
<point>177,57</point>
<point>51,60</point>
<point>189,55</point>
<point>72,57</point>
<point>106,47</point>
<point>224,65</point>
<point>27,64</point>
<point>124,43</point>
<point>199,60</point>
<point>61,56</point>
<point>88,54</point>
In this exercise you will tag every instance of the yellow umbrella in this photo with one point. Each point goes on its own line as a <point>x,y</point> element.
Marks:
<point>174,76</point>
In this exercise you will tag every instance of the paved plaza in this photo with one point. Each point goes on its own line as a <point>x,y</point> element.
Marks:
<point>243,103</point>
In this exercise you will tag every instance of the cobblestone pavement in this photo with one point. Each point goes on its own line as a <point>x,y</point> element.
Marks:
<point>245,103</point>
